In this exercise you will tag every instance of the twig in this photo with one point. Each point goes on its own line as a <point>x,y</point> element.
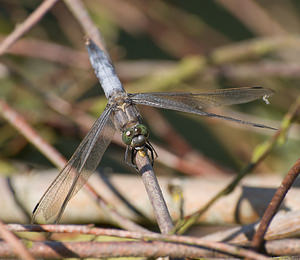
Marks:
<point>21,29</point>
<point>177,240</point>
<point>14,243</point>
<point>154,193</point>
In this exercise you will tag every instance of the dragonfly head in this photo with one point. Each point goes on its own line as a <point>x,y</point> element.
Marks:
<point>136,136</point>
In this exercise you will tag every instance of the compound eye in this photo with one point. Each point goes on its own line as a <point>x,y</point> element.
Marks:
<point>127,136</point>
<point>142,130</point>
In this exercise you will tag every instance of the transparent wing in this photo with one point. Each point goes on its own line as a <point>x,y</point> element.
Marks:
<point>196,102</point>
<point>78,169</point>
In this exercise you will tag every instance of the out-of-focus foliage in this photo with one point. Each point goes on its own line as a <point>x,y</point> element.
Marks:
<point>155,46</point>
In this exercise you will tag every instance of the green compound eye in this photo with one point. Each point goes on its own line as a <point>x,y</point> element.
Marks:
<point>142,130</point>
<point>127,136</point>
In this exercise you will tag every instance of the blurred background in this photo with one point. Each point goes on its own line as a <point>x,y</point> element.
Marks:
<point>155,46</point>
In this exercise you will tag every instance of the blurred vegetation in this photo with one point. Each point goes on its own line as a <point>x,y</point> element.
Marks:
<point>155,46</point>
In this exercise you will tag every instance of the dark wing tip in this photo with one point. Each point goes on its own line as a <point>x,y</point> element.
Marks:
<point>34,213</point>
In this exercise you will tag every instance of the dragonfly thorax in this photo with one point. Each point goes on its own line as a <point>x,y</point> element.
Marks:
<point>136,136</point>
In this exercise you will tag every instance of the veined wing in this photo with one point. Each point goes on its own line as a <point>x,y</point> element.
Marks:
<point>78,169</point>
<point>196,102</point>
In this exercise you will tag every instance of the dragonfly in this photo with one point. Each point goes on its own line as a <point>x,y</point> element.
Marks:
<point>121,114</point>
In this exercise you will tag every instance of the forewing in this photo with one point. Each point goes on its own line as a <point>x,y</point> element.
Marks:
<point>78,169</point>
<point>219,97</point>
<point>196,102</point>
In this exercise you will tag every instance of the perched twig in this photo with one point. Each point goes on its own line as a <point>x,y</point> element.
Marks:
<point>21,29</point>
<point>154,193</point>
<point>15,244</point>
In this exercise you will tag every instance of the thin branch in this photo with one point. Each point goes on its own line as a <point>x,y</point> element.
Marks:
<point>21,29</point>
<point>16,245</point>
<point>154,193</point>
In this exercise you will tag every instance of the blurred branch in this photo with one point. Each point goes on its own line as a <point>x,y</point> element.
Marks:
<point>21,29</point>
